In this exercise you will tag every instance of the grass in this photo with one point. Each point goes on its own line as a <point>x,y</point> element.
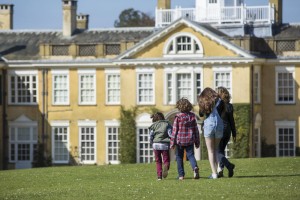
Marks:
<point>264,178</point>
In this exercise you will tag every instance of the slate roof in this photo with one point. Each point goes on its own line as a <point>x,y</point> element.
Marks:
<point>287,31</point>
<point>24,45</point>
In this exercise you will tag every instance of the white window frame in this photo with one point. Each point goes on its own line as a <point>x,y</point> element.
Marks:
<point>285,69</point>
<point>143,71</point>
<point>87,124</point>
<point>87,72</point>
<point>223,69</point>
<point>173,71</point>
<point>284,125</point>
<point>60,124</point>
<point>112,72</point>
<point>58,72</point>
<point>143,121</point>
<point>16,125</point>
<point>175,53</point>
<point>256,84</point>
<point>112,124</point>
<point>15,74</point>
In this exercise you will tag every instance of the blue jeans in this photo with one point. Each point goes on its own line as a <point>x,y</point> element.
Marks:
<point>179,158</point>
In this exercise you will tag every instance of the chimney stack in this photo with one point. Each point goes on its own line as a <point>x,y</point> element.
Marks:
<point>6,16</point>
<point>69,17</point>
<point>164,4</point>
<point>82,21</point>
<point>278,10</point>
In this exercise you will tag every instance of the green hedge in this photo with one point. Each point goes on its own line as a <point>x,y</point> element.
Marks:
<point>128,135</point>
<point>242,116</point>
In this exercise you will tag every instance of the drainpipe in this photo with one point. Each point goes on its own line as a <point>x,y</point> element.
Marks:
<point>4,123</point>
<point>251,112</point>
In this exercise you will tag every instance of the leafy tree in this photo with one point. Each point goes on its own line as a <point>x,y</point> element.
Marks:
<point>134,18</point>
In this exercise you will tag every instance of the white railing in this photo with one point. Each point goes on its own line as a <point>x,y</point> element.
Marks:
<point>238,15</point>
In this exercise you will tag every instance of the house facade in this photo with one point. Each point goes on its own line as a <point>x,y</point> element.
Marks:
<point>64,89</point>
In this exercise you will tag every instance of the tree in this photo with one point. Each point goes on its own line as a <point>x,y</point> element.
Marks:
<point>134,18</point>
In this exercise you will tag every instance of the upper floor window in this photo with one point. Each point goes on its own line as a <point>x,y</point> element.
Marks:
<point>182,82</point>
<point>145,85</point>
<point>113,86</point>
<point>213,1</point>
<point>183,44</point>
<point>23,87</point>
<point>285,85</point>
<point>222,77</point>
<point>60,87</point>
<point>87,86</point>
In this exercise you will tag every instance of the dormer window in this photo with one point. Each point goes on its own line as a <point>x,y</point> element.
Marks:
<point>183,44</point>
<point>213,1</point>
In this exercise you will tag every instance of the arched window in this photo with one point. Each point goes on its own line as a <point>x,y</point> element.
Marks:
<point>183,44</point>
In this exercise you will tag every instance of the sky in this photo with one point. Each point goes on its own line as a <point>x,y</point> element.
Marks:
<point>47,14</point>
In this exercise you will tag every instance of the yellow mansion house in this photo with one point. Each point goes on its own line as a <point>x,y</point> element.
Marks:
<point>64,89</point>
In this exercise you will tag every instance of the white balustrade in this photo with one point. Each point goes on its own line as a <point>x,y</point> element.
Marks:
<point>224,15</point>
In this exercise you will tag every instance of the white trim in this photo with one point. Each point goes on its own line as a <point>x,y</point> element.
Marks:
<point>60,123</point>
<point>86,71</point>
<point>285,123</point>
<point>60,71</point>
<point>87,122</point>
<point>22,72</point>
<point>191,53</point>
<point>114,123</point>
<point>112,70</point>
<point>198,28</point>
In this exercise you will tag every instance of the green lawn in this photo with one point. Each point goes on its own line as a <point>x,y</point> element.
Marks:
<point>265,178</point>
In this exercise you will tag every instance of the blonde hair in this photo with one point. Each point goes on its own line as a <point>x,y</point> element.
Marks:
<point>183,105</point>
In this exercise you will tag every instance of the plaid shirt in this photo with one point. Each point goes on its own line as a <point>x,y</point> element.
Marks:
<point>185,130</point>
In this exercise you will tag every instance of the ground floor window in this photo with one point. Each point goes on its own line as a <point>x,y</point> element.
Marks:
<point>113,145</point>
<point>87,142</point>
<point>60,142</point>
<point>228,150</point>
<point>285,133</point>
<point>256,142</point>
<point>144,149</point>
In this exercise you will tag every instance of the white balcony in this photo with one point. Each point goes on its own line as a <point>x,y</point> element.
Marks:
<point>220,15</point>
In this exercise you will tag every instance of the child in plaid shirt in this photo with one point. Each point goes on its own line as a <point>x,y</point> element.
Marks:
<point>185,134</point>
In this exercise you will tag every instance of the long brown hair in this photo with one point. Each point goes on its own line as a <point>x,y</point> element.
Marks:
<point>206,100</point>
<point>224,94</point>
<point>157,116</point>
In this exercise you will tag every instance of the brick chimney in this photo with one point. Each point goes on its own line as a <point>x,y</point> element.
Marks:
<point>69,16</point>
<point>82,21</point>
<point>164,4</point>
<point>278,10</point>
<point>6,16</point>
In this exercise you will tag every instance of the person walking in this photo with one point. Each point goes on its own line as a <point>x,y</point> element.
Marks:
<point>160,133</point>
<point>211,107</point>
<point>229,128</point>
<point>185,135</point>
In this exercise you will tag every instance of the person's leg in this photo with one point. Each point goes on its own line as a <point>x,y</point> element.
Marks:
<point>158,161</point>
<point>166,159</point>
<point>210,144</point>
<point>191,157</point>
<point>179,160</point>
<point>223,161</point>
